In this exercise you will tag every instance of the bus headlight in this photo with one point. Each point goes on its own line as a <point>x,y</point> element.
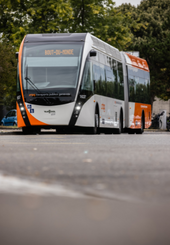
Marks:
<point>22,108</point>
<point>77,109</point>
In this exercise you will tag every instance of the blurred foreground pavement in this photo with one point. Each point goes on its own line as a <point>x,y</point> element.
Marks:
<point>33,219</point>
<point>84,189</point>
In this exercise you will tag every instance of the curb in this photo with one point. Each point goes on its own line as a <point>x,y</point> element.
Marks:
<point>9,128</point>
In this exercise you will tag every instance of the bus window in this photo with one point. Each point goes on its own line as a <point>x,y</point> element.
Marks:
<point>109,82</point>
<point>99,78</point>
<point>109,61</point>
<point>87,83</point>
<point>120,94</point>
<point>148,101</point>
<point>132,88</point>
<point>139,89</point>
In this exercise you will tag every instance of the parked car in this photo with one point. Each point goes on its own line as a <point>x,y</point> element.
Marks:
<point>10,119</point>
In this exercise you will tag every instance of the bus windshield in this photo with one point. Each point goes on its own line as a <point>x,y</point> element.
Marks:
<point>48,67</point>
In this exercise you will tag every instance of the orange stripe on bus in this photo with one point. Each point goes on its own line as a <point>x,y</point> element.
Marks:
<point>139,107</point>
<point>20,121</point>
<point>138,62</point>
<point>20,60</point>
<point>33,120</point>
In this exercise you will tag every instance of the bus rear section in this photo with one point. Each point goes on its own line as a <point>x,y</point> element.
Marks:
<point>139,105</point>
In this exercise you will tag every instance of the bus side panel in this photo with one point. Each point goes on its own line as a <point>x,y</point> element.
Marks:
<point>109,112</point>
<point>106,108</point>
<point>135,112</point>
<point>131,114</point>
<point>86,116</point>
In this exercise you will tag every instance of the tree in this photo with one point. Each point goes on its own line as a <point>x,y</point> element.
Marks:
<point>20,17</point>
<point>101,19</point>
<point>152,39</point>
<point>8,75</point>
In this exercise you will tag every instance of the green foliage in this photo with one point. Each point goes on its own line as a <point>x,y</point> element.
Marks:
<point>101,19</point>
<point>18,18</point>
<point>8,75</point>
<point>152,39</point>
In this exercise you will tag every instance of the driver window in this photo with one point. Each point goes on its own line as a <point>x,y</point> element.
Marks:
<point>87,83</point>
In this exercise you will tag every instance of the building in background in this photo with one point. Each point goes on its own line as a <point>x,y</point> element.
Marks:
<point>160,105</point>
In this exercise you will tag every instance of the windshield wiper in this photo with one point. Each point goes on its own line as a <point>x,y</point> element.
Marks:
<point>32,84</point>
<point>35,88</point>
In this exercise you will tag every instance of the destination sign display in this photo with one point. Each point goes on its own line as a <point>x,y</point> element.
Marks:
<point>59,52</point>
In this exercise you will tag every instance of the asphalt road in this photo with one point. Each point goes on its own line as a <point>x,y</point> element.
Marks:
<point>84,189</point>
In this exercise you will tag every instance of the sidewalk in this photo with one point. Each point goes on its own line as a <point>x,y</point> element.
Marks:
<point>9,127</point>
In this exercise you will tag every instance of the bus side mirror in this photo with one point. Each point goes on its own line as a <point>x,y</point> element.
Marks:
<point>93,53</point>
<point>16,55</point>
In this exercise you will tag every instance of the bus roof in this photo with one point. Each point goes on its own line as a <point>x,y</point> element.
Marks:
<point>56,37</point>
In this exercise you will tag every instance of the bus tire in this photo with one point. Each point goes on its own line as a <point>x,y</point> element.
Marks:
<point>31,130</point>
<point>95,129</point>
<point>131,131</point>
<point>96,123</point>
<point>120,128</point>
<point>26,130</point>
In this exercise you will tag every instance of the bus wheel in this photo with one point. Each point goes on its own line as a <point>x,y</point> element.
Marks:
<point>131,131</point>
<point>26,130</point>
<point>59,131</point>
<point>120,128</point>
<point>140,131</point>
<point>95,129</point>
<point>96,124</point>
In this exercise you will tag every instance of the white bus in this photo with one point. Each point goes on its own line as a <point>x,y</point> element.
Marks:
<point>76,81</point>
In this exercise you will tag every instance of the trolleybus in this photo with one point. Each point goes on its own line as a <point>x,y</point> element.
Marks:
<point>76,81</point>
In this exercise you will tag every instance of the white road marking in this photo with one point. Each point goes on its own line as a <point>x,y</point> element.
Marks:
<point>16,185</point>
<point>20,186</point>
